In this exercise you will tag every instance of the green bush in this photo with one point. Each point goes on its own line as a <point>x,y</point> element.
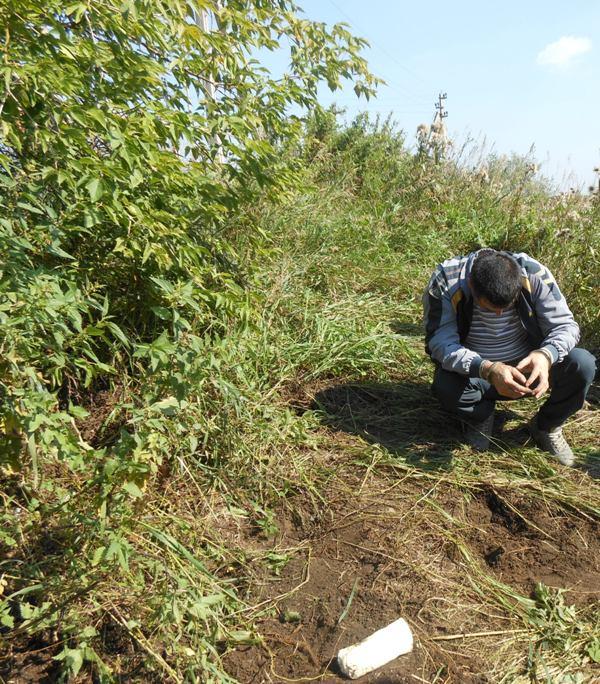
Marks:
<point>130,139</point>
<point>129,135</point>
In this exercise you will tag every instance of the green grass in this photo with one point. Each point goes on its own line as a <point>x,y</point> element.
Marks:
<point>159,580</point>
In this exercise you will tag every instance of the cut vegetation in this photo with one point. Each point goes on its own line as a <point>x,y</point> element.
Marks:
<point>222,459</point>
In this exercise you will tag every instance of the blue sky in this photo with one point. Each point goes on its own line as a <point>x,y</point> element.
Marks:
<point>517,73</point>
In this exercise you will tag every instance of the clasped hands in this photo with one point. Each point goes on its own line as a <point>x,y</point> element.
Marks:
<point>529,378</point>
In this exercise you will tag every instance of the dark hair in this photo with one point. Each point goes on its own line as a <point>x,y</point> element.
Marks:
<point>496,276</point>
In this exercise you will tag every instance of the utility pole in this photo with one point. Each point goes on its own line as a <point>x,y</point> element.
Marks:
<point>203,22</point>
<point>441,113</point>
<point>438,139</point>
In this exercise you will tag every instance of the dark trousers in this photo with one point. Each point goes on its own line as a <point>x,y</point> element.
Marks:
<point>474,399</point>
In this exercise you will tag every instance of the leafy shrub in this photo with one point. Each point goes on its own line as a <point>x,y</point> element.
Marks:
<point>129,135</point>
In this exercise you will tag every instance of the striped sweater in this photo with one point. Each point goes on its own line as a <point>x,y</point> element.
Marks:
<point>448,313</point>
<point>497,337</point>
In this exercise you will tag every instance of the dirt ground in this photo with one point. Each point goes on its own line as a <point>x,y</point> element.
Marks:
<point>385,549</point>
<point>381,544</point>
<point>30,662</point>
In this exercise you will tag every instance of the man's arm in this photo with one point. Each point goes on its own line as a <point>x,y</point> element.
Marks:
<point>442,341</point>
<point>444,346</point>
<point>559,329</point>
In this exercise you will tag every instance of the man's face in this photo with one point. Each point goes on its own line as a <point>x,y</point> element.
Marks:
<point>488,306</point>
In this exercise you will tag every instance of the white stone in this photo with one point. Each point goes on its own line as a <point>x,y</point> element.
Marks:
<point>380,648</point>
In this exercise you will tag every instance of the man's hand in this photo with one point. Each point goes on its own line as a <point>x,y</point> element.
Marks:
<point>537,368</point>
<point>509,381</point>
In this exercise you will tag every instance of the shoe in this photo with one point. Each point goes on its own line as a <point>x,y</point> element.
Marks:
<point>553,442</point>
<point>478,435</point>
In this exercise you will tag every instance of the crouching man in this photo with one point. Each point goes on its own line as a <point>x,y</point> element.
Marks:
<point>498,328</point>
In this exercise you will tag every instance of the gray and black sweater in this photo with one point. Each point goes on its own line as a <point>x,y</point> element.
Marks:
<point>448,309</point>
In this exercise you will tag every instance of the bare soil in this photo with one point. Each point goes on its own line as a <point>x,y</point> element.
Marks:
<point>384,549</point>
<point>376,547</point>
<point>101,427</point>
<point>30,662</point>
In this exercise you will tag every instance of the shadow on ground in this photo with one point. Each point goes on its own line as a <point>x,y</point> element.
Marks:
<point>407,328</point>
<point>406,419</point>
<point>591,461</point>
<point>402,417</point>
<point>591,465</point>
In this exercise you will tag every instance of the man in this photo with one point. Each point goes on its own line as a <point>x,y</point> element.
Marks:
<point>498,328</point>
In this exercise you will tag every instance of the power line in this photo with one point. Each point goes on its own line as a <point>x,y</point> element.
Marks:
<point>416,94</point>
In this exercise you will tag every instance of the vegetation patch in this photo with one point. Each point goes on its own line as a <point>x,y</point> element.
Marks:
<point>220,457</point>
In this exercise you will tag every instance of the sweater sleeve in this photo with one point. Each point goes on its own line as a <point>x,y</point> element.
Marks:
<point>559,329</point>
<point>442,341</point>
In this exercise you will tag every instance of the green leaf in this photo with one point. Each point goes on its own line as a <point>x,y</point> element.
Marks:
<point>117,332</point>
<point>98,555</point>
<point>30,207</point>
<point>242,636</point>
<point>135,179</point>
<point>6,619</point>
<point>167,406</point>
<point>212,599</point>
<point>27,610</point>
<point>57,250</point>
<point>73,658</point>
<point>38,420</point>
<point>198,610</point>
<point>162,312</point>
<point>88,632</point>
<point>78,411</point>
<point>594,651</point>
<point>77,8</point>
<point>98,116</point>
<point>132,489</point>
<point>95,188</point>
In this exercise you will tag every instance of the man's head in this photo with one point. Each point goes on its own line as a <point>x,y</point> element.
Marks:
<point>495,279</point>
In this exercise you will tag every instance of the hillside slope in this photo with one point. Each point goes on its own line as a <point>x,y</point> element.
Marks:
<point>315,491</point>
